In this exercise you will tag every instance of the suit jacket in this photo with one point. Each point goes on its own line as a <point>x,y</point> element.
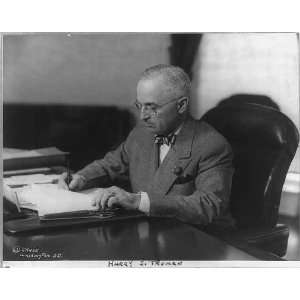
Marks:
<point>198,192</point>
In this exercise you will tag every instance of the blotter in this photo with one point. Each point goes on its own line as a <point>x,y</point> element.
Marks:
<point>33,224</point>
<point>81,214</point>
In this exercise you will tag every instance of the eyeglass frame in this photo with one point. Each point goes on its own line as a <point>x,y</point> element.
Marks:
<point>153,111</point>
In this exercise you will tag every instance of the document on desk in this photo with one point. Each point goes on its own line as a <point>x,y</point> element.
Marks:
<point>49,199</point>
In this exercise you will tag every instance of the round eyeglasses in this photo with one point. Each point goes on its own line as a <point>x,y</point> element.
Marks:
<point>152,108</point>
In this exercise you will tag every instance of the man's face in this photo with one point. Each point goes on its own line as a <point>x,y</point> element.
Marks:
<point>152,94</point>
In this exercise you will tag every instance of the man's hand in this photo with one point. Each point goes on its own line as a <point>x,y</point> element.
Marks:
<point>77,182</point>
<point>115,196</point>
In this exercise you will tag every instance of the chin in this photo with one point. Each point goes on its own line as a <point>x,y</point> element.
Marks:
<point>152,129</point>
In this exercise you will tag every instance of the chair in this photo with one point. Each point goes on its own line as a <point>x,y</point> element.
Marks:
<point>250,98</point>
<point>264,142</point>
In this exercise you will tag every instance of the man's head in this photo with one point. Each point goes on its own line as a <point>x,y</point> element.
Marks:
<point>163,93</point>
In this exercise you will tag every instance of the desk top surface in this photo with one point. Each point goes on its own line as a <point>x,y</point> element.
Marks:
<point>132,239</point>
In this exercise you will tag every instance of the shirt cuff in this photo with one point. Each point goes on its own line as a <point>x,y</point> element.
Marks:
<point>144,203</point>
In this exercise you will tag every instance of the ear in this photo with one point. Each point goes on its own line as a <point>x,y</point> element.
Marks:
<point>182,105</point>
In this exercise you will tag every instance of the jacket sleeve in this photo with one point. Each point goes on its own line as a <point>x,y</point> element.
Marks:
<point>113,165</point>
<point>212,190</point>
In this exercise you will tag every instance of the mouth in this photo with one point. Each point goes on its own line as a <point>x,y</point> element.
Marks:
<point>149,125</point>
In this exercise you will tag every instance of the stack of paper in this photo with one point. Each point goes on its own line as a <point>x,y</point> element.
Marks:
<point>49,199</point>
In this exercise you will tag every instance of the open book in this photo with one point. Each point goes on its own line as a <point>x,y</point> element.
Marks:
<point>49,199</point>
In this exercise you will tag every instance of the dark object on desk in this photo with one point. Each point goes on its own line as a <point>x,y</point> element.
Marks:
<point>26,159</point>
<point>34,224</point>
<point>11,212</point>
<point>9,207</point>
<point>264,142</point>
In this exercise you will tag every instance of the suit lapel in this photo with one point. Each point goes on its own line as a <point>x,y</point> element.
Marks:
<point>178,156</point>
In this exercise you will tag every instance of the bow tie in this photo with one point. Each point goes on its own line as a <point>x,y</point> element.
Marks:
<point>168,140</point>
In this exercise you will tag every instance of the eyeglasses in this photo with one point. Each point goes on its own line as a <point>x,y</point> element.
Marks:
<point>152,108</point>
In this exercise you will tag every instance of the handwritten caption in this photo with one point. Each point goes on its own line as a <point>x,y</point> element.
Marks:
<point>35,253</point>
<point>143,263</point>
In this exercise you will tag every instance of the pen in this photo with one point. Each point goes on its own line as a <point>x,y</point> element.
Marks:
<point>69,176</point>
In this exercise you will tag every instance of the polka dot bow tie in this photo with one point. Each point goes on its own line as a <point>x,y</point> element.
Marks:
<point>168,140</point>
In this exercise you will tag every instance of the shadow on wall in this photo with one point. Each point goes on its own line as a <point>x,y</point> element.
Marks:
<point>250,98</point>
<point>183,50</point>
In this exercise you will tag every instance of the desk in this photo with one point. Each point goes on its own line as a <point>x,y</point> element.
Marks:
<point>134,239</point>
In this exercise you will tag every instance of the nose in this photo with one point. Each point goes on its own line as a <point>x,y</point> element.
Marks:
<point>144,116</point>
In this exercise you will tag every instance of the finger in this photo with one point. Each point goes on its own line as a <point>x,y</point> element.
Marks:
<point>96,201</point>
<point>74,184</point>
<point>99,197</point>
<point>96,197</point>
<point>116,191</point>
<point>62,181</point>
<point>104,198</point>
<point>112,201</point>
<point>111,189</point>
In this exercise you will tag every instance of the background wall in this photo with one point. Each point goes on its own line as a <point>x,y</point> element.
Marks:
<point>74,91</point>
<point>102,69</point>
<point>252,63</point>
<point>85,69</point>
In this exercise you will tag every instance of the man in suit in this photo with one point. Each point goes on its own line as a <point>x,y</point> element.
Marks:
<point>178,167</point>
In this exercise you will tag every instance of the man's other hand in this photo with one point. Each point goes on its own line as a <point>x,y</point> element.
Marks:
<point>77,182</point>
<point>115,196</point>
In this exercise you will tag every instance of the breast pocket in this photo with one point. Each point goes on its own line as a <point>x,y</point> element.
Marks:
<point>184,184</point>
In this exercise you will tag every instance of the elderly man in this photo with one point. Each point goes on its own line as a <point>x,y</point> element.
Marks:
<point>178,167</point>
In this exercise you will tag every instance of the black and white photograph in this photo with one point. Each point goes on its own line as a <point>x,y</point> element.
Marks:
<point>150,149</point>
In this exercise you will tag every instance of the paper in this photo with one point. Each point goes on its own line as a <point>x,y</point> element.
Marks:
<point>30,179</point>
<point>49,199</point>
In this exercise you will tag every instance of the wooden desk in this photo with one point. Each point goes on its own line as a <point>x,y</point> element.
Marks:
<point>136,239</point>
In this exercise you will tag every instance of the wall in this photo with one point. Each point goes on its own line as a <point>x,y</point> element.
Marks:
<point>86,69</point>
<point>102,69</point>
<point>252,63</point>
